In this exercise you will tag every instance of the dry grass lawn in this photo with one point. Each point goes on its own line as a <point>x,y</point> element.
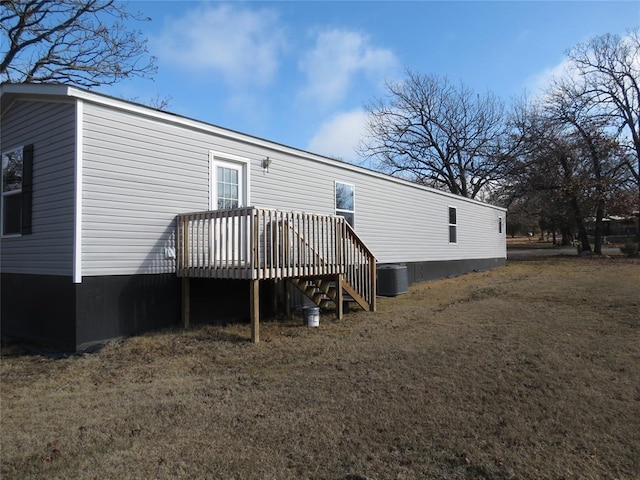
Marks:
<point>531,371</point>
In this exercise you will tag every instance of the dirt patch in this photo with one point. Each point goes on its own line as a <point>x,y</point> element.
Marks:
<point>528,371</point>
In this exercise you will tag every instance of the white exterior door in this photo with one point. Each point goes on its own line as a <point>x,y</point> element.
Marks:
<point>229,190</point>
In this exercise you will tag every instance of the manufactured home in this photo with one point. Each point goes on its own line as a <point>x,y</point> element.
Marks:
<point>118,218</point>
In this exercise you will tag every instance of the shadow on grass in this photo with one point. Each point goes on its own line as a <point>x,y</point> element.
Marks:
<point>523,257</point>
<point>46,351</point>
<point>215,333</point>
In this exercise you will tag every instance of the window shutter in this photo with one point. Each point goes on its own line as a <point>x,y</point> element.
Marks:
<point>27,188</point>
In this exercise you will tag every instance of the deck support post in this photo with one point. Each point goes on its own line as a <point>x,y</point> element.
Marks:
<point>274,297</point>
<point>186,302</point>
<point>374,283</point>
<point>255,311</point>
<point>339,297</point>
<point>287,297</point>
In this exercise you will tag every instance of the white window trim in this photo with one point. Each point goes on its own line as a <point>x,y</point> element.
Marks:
<point>335,203</point>
<point>449,224</point>
<point>17,191</point>
<point>221,157</point>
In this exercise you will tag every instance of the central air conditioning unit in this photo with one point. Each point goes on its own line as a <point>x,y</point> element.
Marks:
<point>392,280</point>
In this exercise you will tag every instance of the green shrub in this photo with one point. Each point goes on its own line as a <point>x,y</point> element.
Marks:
<point>630,249</point>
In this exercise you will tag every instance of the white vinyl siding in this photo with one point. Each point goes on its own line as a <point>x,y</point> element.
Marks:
<point>137,175</point>
<point>50,127</point>
<point>140,172</point>
<point>399,221</point>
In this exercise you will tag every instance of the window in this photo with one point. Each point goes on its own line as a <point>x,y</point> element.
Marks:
<point>453,225</point>
<point>499,224</point>
<point>16,191</point>
<point>345,202</point>
<point>228,187</point>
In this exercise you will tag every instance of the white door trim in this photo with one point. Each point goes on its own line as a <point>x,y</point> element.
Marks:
<point>216,158</point>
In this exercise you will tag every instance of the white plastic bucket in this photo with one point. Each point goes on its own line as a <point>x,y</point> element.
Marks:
<point>311,316</point>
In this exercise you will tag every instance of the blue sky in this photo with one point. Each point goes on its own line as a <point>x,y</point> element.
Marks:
<point>300,72</point>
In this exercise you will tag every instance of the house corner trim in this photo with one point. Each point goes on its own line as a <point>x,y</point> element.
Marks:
<point>77,234</point>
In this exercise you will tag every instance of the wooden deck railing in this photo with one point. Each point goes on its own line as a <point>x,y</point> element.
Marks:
<point>256,243</point>
<point>215,244</point>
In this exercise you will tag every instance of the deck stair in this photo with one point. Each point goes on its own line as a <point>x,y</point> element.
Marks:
<point>319,254</point>
<point>320,291</point>
<point>323,292</point>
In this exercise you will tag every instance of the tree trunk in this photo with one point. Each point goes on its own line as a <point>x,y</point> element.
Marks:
<point>598,233</point>
<point>582,229</point>
<point>583,237</point>
<point>541,225</point>
<point>638,212</point>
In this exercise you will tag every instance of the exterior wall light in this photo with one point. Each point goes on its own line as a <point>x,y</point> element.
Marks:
<point>266,163</point>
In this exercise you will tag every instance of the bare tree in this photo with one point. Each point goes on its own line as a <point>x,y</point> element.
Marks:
<point>570,107</point>
<point>438,133</point>
<point>546,178</point>
<point>609,68</point>
<point>569,167</point>
<point>158,102</point>
<point>80,42</point>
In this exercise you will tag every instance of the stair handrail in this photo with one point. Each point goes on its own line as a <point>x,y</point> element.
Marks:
<point>301,236</point>
<point>361,282</point>
<point>358,240</point>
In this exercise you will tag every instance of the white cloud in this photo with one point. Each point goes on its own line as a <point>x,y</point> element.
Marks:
<point>242,46</point>
<point>538,83</point>
<point>339,136</point>
<point>337,57</point>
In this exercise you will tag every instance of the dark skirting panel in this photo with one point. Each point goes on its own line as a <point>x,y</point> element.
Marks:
<point>38,309</point>
<point>124,305</point>
<point>424,271</point>
<point>219,301</point>
<point>53,310</point>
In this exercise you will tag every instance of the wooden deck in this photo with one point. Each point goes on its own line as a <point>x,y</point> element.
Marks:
<point>261,244</point>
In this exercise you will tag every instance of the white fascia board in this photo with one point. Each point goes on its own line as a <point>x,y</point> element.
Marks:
<point>34,88</point>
